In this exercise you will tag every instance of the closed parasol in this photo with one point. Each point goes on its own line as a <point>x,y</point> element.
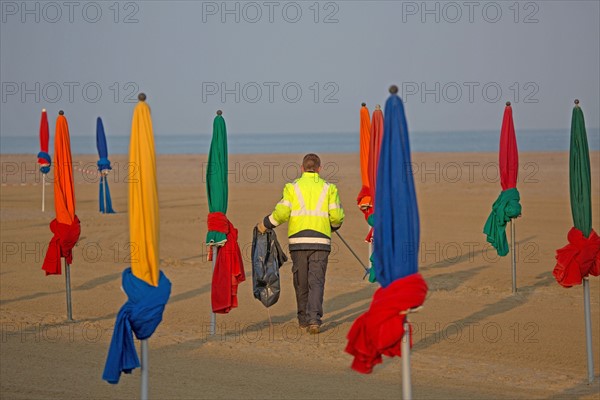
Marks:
<point>103,168</point>
<point>224,251</point>
<point>44,159</point>
<point>581,257</point>
<point>507,207</point>
<point>147,288</point>
<point>65,226</point>
<point>382,329</point>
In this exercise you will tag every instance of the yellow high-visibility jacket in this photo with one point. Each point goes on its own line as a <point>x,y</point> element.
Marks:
<point>312,208</point>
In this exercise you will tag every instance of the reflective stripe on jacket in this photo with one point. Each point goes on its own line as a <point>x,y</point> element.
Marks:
<point>312,208</point>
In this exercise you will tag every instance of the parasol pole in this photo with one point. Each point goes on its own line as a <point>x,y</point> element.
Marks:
<point>406,382</point>
<point>269,314</point>
<point>368,271</point>
<point>43,192</point>
<point>588,329</point>
<point>352,251</point>
<point>68,290</point>
<point>513,255</point>
<point>213,316</point>
<point>405,351</point>
<point>144,388</point>
<point>370,254</point>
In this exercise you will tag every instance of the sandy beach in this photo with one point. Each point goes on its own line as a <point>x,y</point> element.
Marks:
<point>473,338</point>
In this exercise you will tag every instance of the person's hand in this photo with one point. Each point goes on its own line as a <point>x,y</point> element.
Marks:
<point>261,227</point>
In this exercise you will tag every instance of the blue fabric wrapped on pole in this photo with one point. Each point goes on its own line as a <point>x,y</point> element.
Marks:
<point>142,313</point>
<point>396,229</point>
<point>103,165</point>
<point>42,155</point>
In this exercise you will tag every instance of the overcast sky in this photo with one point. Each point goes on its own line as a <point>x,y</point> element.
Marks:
<point>286,67</point>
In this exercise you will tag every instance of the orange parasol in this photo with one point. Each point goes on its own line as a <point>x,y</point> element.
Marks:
<point>65,226</point>
<point>364,196</point>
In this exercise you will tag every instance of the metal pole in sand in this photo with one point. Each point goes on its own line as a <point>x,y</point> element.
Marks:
<point>370,255</point>
<point>405,350</point>
<point>68,290</point>
<point>588,329</point>
<point>213,316</point>
<point>43,192</point>
<point>406,382</point>
<point>513,256</point>
<point>144,388</point>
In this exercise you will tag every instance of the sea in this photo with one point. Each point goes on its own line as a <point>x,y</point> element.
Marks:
<point>270,143</point>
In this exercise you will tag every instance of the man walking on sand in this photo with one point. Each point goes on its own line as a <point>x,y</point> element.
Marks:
<point>312,208</point>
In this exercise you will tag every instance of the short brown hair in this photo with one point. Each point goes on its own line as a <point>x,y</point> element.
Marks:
<point>311,162</point>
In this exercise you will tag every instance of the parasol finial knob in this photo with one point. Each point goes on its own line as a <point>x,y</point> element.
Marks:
<point>61,112</point>
<point>142,97</point>
<point>576,102</point>
<point>378,107</point>
<point>393,89</point>
<point>508,104</point>
<point>219,112</point>
<point>363,104</point>
<point>43,110</point>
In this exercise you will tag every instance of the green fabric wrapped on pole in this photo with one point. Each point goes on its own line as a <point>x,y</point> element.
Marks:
<point>579,174</point>
<point>216,177</point>
<point>505,208</point>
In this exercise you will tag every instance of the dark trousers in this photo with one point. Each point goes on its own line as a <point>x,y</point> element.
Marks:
<point>309,268</point>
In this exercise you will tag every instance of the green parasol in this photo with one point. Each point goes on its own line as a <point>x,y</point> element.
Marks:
<point>580,258</point>
<point>216,177</point>
<point>579,174</point>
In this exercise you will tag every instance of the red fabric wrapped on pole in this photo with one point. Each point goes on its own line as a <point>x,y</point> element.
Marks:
<point>379,331</point>
<point>61,245</point>
<point>578,259</point>
<point>229,266</point>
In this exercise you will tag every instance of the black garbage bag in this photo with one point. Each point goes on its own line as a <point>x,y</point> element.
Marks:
<point>267,258</point>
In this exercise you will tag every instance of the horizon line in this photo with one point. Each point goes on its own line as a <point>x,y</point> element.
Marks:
<point>319,133</point>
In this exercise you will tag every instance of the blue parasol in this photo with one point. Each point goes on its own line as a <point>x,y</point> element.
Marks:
<point>396,255</point>
<point>384,329</point>
<point>103,168</point>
